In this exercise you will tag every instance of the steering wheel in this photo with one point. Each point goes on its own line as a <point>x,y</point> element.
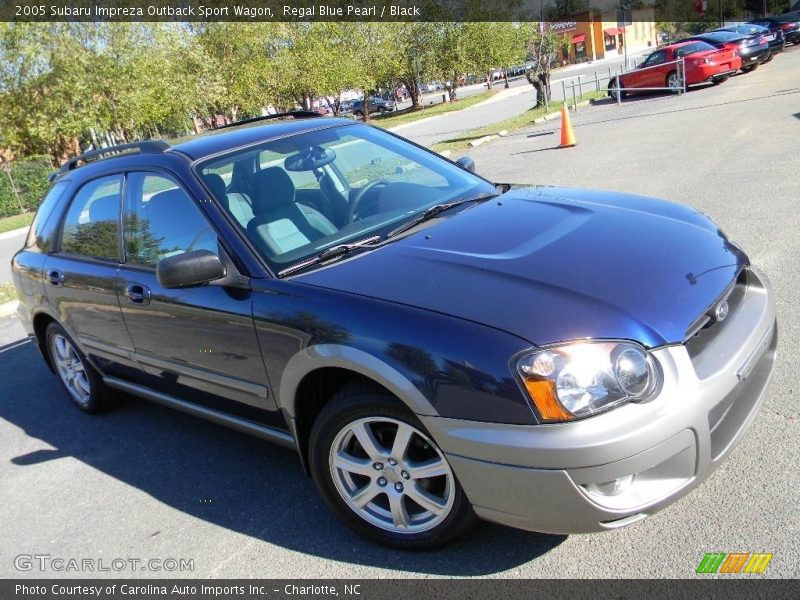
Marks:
<point>355,201</point>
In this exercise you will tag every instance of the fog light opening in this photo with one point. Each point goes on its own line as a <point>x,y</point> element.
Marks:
<point>612,488</point>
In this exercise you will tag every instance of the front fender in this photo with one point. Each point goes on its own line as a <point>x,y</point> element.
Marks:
<point>336,355</point>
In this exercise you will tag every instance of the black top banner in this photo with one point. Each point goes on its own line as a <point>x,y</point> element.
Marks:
<point>376,10</point>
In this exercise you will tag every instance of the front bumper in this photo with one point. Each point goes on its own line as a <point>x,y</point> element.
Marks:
<point>554,478</point>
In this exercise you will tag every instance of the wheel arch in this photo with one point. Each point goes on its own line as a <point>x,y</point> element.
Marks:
<point>40,322</point>
<point>313,376</point>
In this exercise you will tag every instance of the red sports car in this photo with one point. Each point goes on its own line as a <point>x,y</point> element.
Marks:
<point>703,63</point>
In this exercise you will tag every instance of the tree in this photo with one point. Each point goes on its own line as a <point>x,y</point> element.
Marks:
<point>492,45</point>
<point>542,51</point>
<point>241,55</point>
<point>321,60</point>
<point>46,81</point>
<point>63,83</point>
<point>567,8</point>
<point>406,45</point>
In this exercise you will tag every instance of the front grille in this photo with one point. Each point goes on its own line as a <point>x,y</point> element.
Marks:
<point>703,330</point>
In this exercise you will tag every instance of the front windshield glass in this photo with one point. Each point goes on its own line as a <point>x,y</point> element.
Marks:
<point>296,196</point>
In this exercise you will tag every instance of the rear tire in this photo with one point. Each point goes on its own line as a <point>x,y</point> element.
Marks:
<point>381,110</point>
<point>769,58</point>
<point>383,475</point>
<point>750,68</point>
<point>674,82</point>
<point>83,384</point>
<point>358,114</point>
<point>718,80</point>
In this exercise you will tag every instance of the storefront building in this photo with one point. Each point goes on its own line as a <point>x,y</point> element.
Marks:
<point>594,35</point>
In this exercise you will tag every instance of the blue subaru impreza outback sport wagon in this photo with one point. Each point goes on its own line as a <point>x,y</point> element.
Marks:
<point>434,346</point>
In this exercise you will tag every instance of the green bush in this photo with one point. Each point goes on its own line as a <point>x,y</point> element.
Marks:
<point>30,179</point>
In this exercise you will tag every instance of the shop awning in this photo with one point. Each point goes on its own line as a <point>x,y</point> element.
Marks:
<point>578,37</point>
<point>612,31</point>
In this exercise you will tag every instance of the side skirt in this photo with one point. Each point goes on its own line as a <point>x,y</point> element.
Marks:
<point>270,434</point>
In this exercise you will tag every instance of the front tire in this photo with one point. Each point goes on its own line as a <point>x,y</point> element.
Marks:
<point>750,68</point>
<point>382,474</point>
<point>613,84</point>
<point>80,380</point>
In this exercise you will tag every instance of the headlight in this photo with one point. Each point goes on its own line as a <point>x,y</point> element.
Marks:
<point>584,378</point>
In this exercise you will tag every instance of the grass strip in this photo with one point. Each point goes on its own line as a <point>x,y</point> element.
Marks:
<point>15,222</point>
<point>511,124</point>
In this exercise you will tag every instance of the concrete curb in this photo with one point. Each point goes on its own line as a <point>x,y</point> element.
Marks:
<point>14,233</point>
<point>482,140</point>
<point>510,93</point>
<point>537,121</point>
<point>9,309</point>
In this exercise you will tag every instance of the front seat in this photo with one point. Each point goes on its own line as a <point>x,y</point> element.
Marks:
<point>235,203</point>
<point>280,224</point>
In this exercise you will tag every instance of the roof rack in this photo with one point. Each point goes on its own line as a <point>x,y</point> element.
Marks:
<point>144,147</point>
<point>294,114</point>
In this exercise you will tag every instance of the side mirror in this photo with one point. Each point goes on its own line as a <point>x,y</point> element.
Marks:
<point>466,163</point>
<point>189,269</point>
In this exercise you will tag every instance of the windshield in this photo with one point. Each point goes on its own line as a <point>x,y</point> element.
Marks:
<point>296,196</point>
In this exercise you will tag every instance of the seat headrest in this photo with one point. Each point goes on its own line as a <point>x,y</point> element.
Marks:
<point>166,200</point>
<point>217,185</point>
<point>272,189</point>
<point>105,208</point>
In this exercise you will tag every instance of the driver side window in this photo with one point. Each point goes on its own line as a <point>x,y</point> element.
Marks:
<point>161,220</point>
<point>655,59</point>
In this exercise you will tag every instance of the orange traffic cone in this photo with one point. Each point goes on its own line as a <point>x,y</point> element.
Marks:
<point>567,135</point>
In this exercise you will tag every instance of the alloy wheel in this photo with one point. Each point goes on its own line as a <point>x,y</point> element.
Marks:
<point>392,475</point>
<point>71,369</point>
<point>674,82</point>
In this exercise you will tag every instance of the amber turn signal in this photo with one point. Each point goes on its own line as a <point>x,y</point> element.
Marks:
<point>543,393</point>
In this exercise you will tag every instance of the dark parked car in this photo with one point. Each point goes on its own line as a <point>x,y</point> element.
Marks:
<point>376,105</point>
<point>789,25</point>
<point>434,346</point>
<point>774,35</point>
<point>752,49</point>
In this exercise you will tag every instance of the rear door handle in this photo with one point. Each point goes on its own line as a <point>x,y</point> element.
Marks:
<point>55,277</point>
<point>137,294</point>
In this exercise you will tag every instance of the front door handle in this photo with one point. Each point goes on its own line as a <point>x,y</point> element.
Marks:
<point>55,277</point>
<point>137,294</point>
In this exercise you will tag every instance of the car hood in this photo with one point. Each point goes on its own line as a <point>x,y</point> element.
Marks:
<point>552,264</point>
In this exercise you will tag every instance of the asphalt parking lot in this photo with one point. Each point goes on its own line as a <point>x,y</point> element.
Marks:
<point>145,482</point>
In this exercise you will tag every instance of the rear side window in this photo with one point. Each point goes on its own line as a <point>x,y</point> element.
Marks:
<point>656,58</point>
<point>46,209</point>
<point>694,48</point>
<point>91,227</point>
<point>161,220</point>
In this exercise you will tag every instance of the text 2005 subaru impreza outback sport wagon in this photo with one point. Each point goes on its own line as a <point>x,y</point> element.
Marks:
<point>434,346</point>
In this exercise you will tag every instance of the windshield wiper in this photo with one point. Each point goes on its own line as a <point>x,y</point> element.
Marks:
<point>434,211</point>
<point>336,251</point>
